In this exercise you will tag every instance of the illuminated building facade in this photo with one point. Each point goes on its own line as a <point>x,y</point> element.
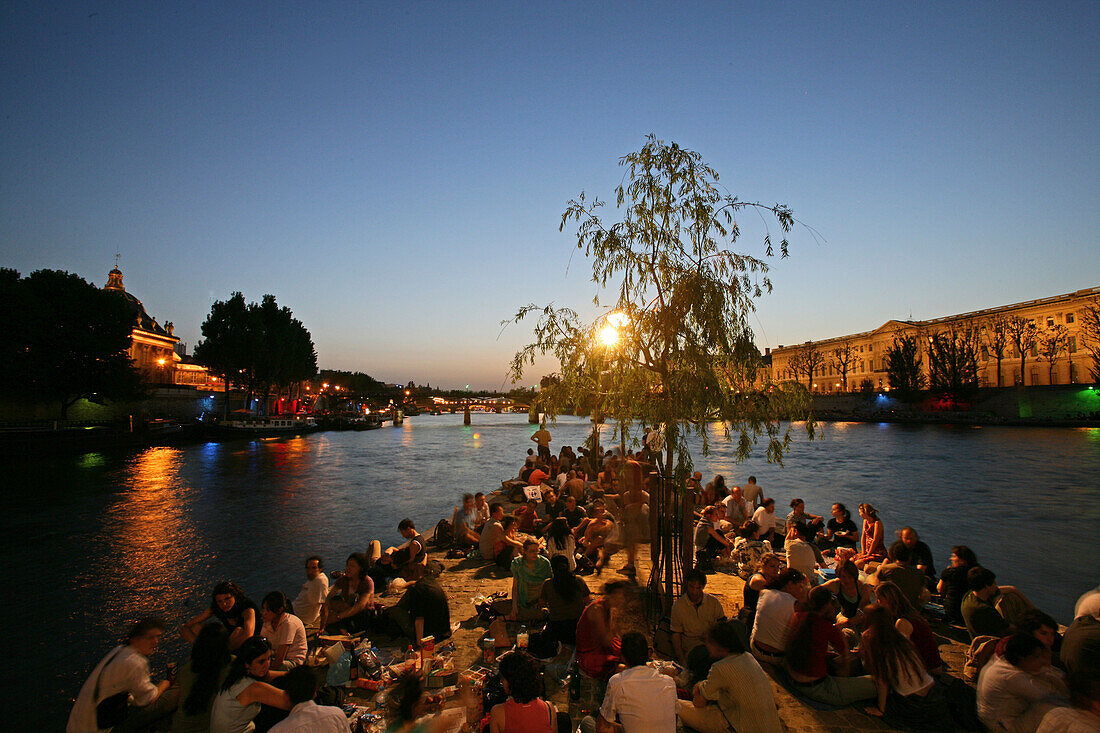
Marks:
<point>869,348</point>
<point>152,346</point>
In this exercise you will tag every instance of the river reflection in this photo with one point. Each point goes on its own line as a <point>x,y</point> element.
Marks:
<point>103,538</point>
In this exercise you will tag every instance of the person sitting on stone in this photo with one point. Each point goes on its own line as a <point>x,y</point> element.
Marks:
<point>422,611</point>
<point>574,486</point>
<point>693,614</point>
<point>404,561</point>
<point>529,571</point>
<point>350,603</point>
<point>979,614</point>
<point>125,669</point>
<point>910,624</point>
<point>638,698</point>
<point>306,715</point>
<point>773,615</point>
<point>560,542</point>
<point>764,517</point>
<point>872,547</point>
<point>840,530</point>
<point>747,549</point>
<point>498,541</point>
<point>1081,643</point>
<point>573,513</point>
<point>236,612</point>
<point>200,678</point>
<point>598,637</point>
<point>247,687</point>
<point>528,516</point>
<point>524,711</point>
<point>811,634</point>
<point>1084,716</point>
<point>565,596</point>
<point>285,631</point>
<point>921,553</point>
<point>1015,691</point>
<point>481,506</point>
<point>464,521</point>
<point>898,569</point>
<point>710,544</point>
<point>800,552</point>
<point>736,694</point>
<point>737,509</point>
<point>596,530</point>
<point>799,515</point>
<point>307,604</point>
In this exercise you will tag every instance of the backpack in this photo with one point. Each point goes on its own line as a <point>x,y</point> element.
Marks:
<point>444,533</point>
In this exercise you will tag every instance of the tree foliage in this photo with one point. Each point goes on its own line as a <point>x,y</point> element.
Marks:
<point>64,340</point>
<point>844,357</point>
<point>953,358</point>
<point>1052,342</point>
<point>685,353</point>
<point>259,346</point>
<point>903,366</point>
<point>995,338</point>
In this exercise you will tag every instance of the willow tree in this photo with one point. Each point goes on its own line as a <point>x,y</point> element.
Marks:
<point>684,353</point>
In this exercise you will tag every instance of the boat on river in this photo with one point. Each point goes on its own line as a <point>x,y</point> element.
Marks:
<point>268,426</point>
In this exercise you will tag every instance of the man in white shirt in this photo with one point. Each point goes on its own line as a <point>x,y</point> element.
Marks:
<point>285,631</point>
<point>765,520</point>
<point>307,716</point>
<point>1016,690</point>
<point>773,615</point>
<point>307,606</point>
<point>126,669</point>
<point>655,443</point>
<point>643,699</point>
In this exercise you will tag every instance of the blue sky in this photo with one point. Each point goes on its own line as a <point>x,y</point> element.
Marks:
<point>395,173</point>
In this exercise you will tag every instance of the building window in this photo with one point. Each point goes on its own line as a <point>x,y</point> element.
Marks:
<point>870,347</point>
<point>872,363</point>
<point>1050,321</point>
<point>1069,318</point>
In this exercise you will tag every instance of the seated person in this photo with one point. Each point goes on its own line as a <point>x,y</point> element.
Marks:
<point>710,544</point>
<point>573,513</point>
<point>767,570</point>
<point>840,530</point>
<point>560,542</point>
<point>201,678</point>
<point>953,585</point>
<point>1084,716</point>
<point>737,509</point>
<point>800,552</point>
<point>736,693</point>
<point>565,596</point>
<point>774,610</point>
<point>552,506</point>
<point>596,530</point>
<point>285,631</point>
<point>910,624</point>
<point>350,604</point>
<point>524,711</point>
<point>920,552</point>
<point>979,614</point>
<point>1015,691</point>
<point>1042,627</point>
<point>529,571</point>
<point>236,612</point>
<point>481,506</point>
<point>812,633</point>
<point>528,516</point>
<point>307,606</point>
<point>465,522</point>
<point>764,517</point>
<point>898,569</point>
<point>574,486</point>
<point>423,611</point>
<point>747,550</point>
<point>639,697</point>
<point>872,547</point>
<point>538,475</point>
<point>247,687</point>
<point>693,614</point>
<point>404,561</point>
<point>598,640</point>
<point>1081,645</point>
<point>305,714</point>
<point>498,542</point>
<point>799,515</point>
<point>852,595</point>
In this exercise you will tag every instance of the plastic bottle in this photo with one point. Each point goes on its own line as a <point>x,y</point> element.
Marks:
<point>522,637</point>
<point>575,682</point>
<point>411,659</point>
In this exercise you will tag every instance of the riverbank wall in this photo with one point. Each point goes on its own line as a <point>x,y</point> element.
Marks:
<point>1072,405</point>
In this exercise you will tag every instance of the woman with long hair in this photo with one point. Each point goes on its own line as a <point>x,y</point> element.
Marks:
<point>812,632</point>
<point>953,585</point>
<point>598,637</point>
<point>852,595</point>
<point>560,542</point>
<point>201,678</point>
<point>246,687</point>
<point>524,711</point>
<point>408,703</point>
<point>907,696</point>
<point>565,596</point>
<point>351,599</point>
<point>910,624</point>
<point>236,612</point>
<point>767,570</point>
<point>872,543</point>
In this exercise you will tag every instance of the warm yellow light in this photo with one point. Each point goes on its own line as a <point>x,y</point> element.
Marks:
<point>160,361</point>
<point>609,335</point>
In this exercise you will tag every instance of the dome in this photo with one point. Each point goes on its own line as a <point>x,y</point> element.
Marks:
<point>142,320</point>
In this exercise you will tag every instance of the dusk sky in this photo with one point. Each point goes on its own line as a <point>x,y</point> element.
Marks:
<point>395,173</point>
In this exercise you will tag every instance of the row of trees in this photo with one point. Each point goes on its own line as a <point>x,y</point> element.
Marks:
<point>259,346</point>
<point>954,352</point>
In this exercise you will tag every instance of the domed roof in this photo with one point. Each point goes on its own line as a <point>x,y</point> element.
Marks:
<point>142,320</point>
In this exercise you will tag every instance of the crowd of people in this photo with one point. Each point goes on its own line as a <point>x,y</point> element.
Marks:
<point>837,615</point>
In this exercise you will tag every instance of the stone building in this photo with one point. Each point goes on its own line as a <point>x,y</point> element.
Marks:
<point>152,346</point>
<point>1058,313</point>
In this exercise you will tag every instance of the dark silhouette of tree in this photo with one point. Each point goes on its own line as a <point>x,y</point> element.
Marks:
<point>844,358</point>
<point>953,358</point>
<point>808,360</point>
<point>1052,342</point>
<point>996,339</point>
<point>1022,333</point>
<point>64,340</point>
<point>903,366</point>
<point>684,352</point>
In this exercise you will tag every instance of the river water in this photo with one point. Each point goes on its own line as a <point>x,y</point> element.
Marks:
<point>103,538</point>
